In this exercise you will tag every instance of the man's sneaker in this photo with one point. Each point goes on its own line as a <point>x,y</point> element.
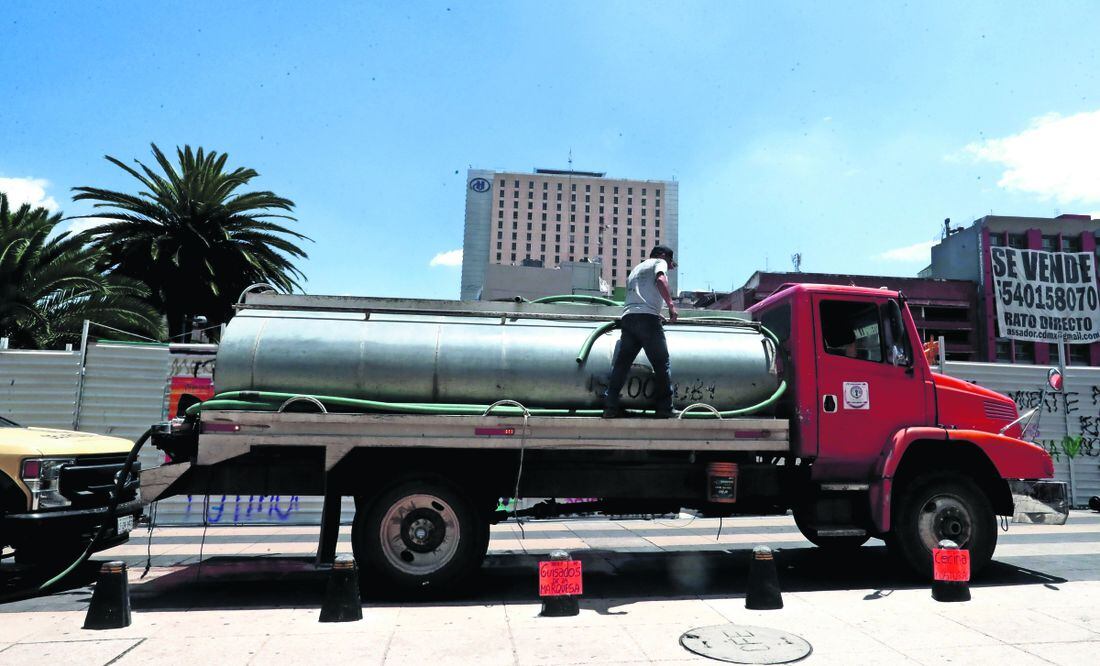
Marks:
<point>613,413</point>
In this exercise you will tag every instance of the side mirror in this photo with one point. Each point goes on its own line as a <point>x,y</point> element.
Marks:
<point>1054,379</point>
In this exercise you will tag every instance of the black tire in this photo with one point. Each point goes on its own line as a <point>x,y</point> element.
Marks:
<point>831,543</point>
<point>419,537</point>
<point>943,506</point>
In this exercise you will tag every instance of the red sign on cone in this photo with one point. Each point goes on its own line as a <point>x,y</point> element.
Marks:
<point>558,578</point>
<point>951,564</point>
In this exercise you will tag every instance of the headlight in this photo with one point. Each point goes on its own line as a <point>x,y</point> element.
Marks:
<point>43,478</point>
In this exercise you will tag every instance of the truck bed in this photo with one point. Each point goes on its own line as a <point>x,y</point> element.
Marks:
<point>230,433</point>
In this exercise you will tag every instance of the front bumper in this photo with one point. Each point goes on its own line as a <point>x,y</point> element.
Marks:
<point>78,525</point>
<point>1039,502</point>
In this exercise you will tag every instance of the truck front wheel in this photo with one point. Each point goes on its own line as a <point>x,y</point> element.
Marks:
<point>419,536</point>
<point>943,506</point>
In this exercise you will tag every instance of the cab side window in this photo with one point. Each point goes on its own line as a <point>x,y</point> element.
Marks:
<point>852,329</point>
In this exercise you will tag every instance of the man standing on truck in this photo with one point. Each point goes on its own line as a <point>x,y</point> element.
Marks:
<point>641,326</point>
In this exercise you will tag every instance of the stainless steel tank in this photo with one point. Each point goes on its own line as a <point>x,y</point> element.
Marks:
<point>421,356</point>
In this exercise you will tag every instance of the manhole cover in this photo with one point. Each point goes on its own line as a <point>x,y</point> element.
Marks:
<point>739,644</point>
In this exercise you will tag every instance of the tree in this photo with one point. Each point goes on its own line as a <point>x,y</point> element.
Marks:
<point>192,237</point>
<point>49,286</point>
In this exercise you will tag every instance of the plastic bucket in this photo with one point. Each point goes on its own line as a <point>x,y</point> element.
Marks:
<point>722,482</point>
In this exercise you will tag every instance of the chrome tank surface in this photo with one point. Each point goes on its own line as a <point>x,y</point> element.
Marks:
<point>407,357</point>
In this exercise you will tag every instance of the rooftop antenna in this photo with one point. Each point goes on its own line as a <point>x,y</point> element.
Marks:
<point>796,260</point>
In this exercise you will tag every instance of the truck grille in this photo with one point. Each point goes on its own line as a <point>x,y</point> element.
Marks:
<point>89,481</point>
<point>996,410</point>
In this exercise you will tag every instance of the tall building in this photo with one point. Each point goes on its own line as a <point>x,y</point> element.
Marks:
<point>963,254</point>
<point>558,216</point>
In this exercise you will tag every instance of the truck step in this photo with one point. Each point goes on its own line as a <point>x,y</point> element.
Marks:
<point>841,532</point>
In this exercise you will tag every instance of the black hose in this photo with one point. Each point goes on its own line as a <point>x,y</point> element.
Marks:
<point>112,508</point>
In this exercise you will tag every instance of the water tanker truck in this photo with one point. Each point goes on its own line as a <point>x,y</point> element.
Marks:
<point>817,400</point>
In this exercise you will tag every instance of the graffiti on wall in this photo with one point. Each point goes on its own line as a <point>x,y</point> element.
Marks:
<point>1081,407</point>
<point>240,508</point>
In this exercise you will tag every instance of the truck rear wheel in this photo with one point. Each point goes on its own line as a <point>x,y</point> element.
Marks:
<point>420,536</point>
<point>943,506</point>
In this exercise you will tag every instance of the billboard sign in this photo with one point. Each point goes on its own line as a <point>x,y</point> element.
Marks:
<point>1046,296</point>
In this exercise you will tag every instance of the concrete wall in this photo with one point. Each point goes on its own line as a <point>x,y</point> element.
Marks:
<point>530,282</point>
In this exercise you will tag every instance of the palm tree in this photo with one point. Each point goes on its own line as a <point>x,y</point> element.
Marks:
<point>192,238</point>
<point>49,286</point>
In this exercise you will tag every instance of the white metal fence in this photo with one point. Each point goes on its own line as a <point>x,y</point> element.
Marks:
<point>1069,425</point>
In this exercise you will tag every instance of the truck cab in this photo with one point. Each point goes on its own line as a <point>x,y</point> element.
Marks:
<point>894,449</point>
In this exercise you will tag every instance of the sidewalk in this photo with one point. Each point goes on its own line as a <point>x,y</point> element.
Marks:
<point>1039,603</point>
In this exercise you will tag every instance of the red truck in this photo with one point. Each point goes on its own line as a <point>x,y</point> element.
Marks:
<point>866,441</point>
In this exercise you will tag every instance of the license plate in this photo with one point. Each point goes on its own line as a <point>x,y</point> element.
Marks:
<point>125,525</point>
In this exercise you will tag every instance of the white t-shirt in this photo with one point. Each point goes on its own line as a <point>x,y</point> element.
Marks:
<point>642,296</point>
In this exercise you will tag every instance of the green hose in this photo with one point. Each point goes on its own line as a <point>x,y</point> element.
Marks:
<point>586,348</point>
<point>577,298</point>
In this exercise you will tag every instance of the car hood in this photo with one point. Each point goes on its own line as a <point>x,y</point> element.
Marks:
<point>27,442</point>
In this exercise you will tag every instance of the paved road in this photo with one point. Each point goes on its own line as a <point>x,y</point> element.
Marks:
<point>255,599</point>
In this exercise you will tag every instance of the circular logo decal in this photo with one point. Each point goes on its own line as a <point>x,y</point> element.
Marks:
<point>480,185</point>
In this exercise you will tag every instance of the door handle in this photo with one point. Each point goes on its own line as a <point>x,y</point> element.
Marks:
<point>828,404</point>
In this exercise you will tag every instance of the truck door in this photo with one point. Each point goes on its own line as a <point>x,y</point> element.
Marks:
<point>867,383</point>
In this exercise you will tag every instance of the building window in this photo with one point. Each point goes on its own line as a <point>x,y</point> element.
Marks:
<point>559,189</point>
<point>513,235</point>
<point>515,215</point>
<point>1078,354</point>
<point>1050,243</point>
<point>513,256</point>
<point>498,256</point>
<point>1017,240</point>
<point>528,217</point>
<point>629,190</point>
<point>530,184</point>
<point>500,246</point>
<point>657,193</point>
<point>616,191</point>
<point>587,188</point>
<point>1025,352</point>
<point>601,189</point>
<point>1071,244</point>
<point>516,184</point>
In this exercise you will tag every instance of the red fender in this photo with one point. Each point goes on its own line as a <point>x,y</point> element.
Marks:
<point>1013,458</point>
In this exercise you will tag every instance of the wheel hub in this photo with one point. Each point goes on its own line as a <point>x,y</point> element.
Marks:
<point>423,530</point>
<point>420,534</point>
<point>942,518</point>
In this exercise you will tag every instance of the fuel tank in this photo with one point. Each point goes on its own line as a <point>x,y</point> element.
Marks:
<point>451,352</point>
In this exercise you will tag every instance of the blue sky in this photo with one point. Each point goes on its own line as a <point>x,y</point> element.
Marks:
<point>846,132</point>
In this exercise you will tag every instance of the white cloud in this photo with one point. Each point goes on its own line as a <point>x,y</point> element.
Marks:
<point>1055,157</point>
<point>28,191</point>
<point>915,253</point>
<point>86,223</point>
<point>449,258</point>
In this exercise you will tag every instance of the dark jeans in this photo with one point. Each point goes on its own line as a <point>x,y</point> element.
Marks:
<point>641,331</point>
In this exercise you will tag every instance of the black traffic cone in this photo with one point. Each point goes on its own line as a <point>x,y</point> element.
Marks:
<point>763,592</point>
<point>342,593</point>
<point>950,573</point>
<point>110,607</point>
<point>558,605</point>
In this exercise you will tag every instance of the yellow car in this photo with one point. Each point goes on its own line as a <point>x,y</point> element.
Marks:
<point>55,487</point>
